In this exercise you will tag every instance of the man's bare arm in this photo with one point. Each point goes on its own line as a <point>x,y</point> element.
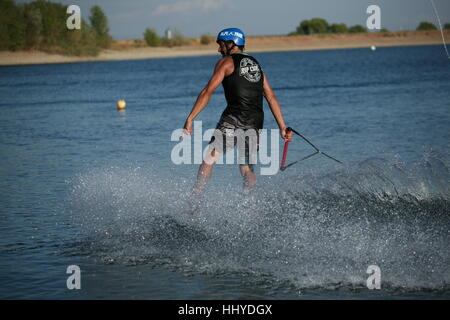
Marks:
<point>276,109</point>
<point>223,68</point>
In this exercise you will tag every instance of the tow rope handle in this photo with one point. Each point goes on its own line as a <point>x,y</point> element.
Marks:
<point>285,150</point>
<point>317,151</point>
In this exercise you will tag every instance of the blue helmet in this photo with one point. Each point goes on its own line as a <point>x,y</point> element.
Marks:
<point>232,34</point>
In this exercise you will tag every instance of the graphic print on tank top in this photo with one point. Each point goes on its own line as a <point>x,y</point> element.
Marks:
<point>249,69</point>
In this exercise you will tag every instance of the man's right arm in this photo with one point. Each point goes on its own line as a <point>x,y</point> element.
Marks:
<point>223,68</point>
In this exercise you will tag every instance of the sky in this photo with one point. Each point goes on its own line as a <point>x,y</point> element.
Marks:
<point>128,19</point>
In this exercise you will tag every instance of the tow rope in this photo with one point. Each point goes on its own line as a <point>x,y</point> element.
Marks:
<point>286,145</point>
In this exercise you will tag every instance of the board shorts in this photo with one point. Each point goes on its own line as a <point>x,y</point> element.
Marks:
<point>226,136</point>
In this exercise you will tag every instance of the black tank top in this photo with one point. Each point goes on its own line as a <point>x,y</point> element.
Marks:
<point>244,93</point>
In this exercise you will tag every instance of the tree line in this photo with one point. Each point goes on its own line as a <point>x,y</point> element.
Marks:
<point>41,25</point>
<point>425,25</point>
<point>321,26</point>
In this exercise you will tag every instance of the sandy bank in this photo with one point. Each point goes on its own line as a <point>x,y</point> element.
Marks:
<point>125,50</point>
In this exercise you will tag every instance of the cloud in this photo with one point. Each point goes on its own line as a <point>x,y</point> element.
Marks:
<point>188,6</point>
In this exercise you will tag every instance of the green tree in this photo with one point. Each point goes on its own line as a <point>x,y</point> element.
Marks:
<point>447,26</point>
<point>316,25</point>
<point>56,38</point>
<point>33,17</point>
<point>152,38</point>
<point>82,42</point>
<point>12,26</point>
<point>99,23</point>
<point>53,32</point>
<point>424,25</point>
<point>338,28</point>
<point>303,27</point>
<point>357,29</point>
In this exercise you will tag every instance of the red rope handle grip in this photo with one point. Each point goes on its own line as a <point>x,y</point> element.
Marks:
<point>283,160</point>
<point>286,146</point>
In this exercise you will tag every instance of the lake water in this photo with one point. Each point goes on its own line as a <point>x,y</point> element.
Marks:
<point>82,184</point>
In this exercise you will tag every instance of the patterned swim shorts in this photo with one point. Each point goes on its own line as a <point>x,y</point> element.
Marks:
<point>227,136</point>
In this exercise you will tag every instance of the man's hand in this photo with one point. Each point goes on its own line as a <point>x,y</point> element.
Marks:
<point>286,135</point>
<point>187,129</point>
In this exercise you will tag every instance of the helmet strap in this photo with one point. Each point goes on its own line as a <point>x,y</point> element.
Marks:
<point>230,48</point>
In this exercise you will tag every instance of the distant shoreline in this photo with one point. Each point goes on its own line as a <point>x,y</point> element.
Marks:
<point>125,49</point>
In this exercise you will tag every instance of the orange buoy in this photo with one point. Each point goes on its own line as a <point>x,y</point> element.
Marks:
<point>121,104</point>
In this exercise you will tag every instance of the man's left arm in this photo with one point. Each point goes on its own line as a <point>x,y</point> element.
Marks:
<point>276,109</point>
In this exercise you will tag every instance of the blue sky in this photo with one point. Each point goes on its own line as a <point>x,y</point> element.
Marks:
<point>128,19</point>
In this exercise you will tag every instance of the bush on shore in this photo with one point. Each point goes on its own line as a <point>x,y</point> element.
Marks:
<point>154,40</point>
<point>206,39</point>
<point>425,26</point>
<point>357,29</point>
<point>151,38</point>
<point>177,40</point>
<point>316,25</point>
<point>338,28</point>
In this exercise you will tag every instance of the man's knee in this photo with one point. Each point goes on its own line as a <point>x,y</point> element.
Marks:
<point>211,157</point>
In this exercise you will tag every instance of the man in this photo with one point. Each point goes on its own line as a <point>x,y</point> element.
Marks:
<point>244,85</point>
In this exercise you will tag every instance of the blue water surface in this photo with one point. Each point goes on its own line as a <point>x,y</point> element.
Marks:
<point>83,184</point>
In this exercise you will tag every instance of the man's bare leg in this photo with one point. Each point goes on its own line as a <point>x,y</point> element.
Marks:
<point>205,171</point>
<point>249,177</point>
<point>203,176</point>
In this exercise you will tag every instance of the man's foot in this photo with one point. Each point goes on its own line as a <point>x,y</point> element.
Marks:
<point>195,201</point>
<point>248,190</point>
